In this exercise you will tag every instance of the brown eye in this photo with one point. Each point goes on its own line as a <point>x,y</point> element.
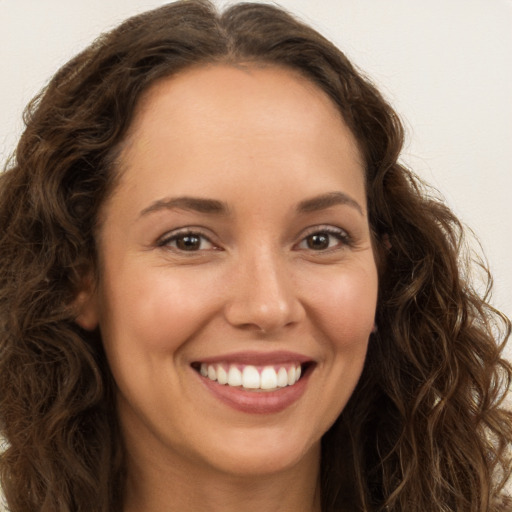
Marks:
<point>318,241</point>
<point>188,241</point>
<point>325,239</point>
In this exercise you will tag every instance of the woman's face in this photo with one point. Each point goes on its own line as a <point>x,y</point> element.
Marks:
<point>234,251</point>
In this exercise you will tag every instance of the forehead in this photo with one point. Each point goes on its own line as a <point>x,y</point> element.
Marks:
<point>219,128</point>
<point>243,101</point>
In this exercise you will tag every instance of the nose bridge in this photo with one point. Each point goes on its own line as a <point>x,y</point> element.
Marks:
<point>264,296</point>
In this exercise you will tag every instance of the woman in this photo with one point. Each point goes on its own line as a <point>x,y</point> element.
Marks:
<point>220,290</point>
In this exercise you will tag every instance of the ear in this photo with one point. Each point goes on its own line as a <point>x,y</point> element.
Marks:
<point>386,241</point>
<point>86,306</point>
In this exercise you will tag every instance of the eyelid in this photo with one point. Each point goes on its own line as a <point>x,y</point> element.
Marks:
<point>165,239</point>
<point>341,234</point>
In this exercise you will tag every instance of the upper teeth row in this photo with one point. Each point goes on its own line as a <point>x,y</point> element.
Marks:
<point>250,377</point>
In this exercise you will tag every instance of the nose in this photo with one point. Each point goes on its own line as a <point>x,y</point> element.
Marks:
<point>263,295</point>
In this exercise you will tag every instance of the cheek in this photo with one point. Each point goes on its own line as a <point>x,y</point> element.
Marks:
<point>345,305</point>
<point>155,312</point>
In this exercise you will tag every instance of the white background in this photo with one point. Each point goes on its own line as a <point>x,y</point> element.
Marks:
<point>445,65</point>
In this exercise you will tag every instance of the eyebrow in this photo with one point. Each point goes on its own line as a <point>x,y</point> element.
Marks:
<point>213,206</point>
<point>325,201</point>
<point>195,204</point>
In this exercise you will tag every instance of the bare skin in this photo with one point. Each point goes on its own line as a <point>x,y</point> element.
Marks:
<point>237,237</point>
<point>170,489</point>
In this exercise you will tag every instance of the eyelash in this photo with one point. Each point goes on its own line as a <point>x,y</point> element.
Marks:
<point>167,239</point>
<point>340,235</point>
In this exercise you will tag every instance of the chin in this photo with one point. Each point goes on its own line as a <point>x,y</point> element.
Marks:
<point>264,455</point>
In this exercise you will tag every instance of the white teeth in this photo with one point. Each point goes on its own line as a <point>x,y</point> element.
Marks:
<point>222,376</point>
<point>250,377</point>
<point>268,378</point>
<point>282,378</point>
<point>234,376</point>
<point>212,374</point>
<point>291,376</point>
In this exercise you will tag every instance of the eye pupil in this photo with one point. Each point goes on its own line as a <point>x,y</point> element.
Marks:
<point>188,242</point>
<point>318,241</point>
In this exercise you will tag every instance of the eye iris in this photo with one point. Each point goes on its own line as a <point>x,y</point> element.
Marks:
<point>318,241</point>
<point>188,242</point>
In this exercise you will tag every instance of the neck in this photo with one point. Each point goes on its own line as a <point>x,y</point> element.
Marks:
<point>157,487</point>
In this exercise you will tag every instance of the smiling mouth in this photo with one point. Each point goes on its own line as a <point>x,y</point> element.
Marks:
<point>251,377</point>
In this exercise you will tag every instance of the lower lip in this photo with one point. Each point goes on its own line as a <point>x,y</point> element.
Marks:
<point>257,402</point>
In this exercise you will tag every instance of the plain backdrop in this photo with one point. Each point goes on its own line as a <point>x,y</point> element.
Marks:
<point>445,65</point>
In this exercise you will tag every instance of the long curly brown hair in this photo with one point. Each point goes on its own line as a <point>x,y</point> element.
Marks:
<point>425,430</point>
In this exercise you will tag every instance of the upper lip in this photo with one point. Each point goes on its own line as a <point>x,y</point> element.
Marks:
<point>257,358</point>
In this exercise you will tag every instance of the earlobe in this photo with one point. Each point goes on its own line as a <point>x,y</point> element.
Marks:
<point>86,308</point>
<point>386,241</point>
